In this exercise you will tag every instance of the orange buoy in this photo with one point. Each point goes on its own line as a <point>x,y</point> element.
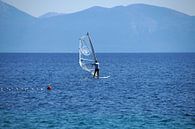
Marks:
<point>49,87</point>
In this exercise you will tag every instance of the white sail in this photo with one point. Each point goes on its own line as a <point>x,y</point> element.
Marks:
<point>87,55</point>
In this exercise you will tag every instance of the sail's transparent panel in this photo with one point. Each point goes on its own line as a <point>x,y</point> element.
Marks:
<point>86,59</point>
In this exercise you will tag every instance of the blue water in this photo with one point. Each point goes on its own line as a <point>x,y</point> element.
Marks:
<point>145,91</point>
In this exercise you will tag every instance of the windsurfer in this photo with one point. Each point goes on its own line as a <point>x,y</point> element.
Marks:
<point>96,72</point>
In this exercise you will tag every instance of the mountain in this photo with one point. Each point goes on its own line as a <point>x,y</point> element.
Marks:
<point>50,14</point>
<point>133,28</point>
<point>13,26</point>
<point>9,13</point>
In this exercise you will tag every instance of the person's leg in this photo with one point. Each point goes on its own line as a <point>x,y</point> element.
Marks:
<point>98,72</point>
<point>94,73</point>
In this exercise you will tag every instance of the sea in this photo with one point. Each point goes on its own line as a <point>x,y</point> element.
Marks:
<point>144,91</point>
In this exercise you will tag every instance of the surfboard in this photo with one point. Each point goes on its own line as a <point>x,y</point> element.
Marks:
<point>105,77</point>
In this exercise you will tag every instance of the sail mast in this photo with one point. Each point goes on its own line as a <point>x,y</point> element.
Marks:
<point>93,51</point>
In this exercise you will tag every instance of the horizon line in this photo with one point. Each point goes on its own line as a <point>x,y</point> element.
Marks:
<point>98,52</point>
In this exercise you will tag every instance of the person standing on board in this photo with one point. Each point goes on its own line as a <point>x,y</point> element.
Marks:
<point>96,72</point>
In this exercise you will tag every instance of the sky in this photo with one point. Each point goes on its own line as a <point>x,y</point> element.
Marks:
<point>39,7</point>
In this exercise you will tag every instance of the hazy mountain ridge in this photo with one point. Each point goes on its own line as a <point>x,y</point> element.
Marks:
<point>50,14</point>
<point>8,12</point>
<point>133,28</point>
